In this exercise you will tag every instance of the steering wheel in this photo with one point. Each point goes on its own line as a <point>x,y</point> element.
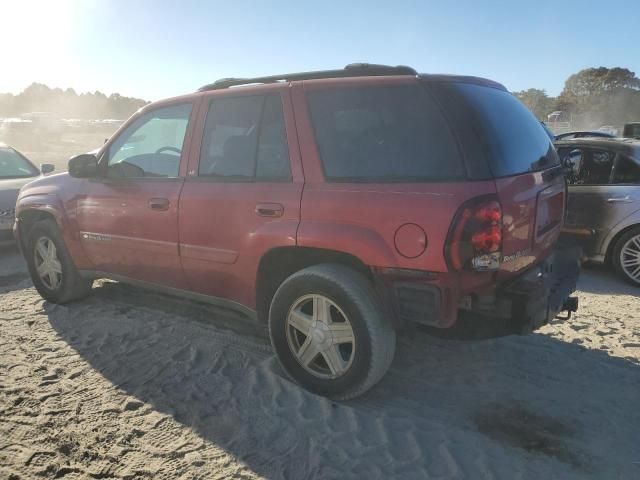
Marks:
<point>169,149</point>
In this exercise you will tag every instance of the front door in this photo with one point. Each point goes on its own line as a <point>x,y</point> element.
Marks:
<point>241,197</point>
<point>128,216</point>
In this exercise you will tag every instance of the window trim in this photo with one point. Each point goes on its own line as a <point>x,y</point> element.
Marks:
<point>237,178</point>
<point>103,161</point>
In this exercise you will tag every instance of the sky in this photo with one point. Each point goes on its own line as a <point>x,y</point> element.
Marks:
<point>154,49</point>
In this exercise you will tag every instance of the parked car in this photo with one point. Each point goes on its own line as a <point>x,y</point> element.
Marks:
<point>336,206</point>
<point>609,129</point>
<point>604,201</point>
<point>15,171</point>
<point>632,130</point>
<point>583,134</point>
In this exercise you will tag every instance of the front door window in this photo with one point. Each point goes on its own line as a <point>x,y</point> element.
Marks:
<point>151,146</point>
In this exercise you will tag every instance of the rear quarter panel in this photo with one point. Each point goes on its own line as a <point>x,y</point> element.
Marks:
<point>362,218</point>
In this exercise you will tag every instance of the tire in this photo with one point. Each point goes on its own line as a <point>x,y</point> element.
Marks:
<point>69,285</point>
<point>628,243</point>
<point>338,371</point>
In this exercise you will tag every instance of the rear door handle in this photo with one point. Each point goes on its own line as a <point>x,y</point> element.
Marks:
<point>626,199</point>
<point>269,210</point>
<point>159,204</point>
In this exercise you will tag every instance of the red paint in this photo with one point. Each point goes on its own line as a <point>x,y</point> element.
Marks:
<point>410,240</point>
<point>212,235</point>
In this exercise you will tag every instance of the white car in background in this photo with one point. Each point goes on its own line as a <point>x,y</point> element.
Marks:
<point>609,129</point>
<point>15,171</point>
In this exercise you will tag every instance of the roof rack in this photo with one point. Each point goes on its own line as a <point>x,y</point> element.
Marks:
<point>351,70</point>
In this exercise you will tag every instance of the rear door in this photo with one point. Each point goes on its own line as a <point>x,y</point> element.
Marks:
<point>241,197</point>
<point>128,216</point>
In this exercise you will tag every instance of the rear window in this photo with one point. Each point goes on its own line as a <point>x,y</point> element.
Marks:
<point>514,140</point>
<point>383,134</point>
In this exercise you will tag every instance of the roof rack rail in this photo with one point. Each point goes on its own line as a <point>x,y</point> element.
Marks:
<point>351,70</point>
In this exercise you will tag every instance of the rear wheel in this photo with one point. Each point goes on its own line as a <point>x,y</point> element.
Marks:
<point>328,332</point>
<point>52,271</point>
<point>626,256</point>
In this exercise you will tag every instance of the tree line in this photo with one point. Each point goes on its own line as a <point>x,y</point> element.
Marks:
<point>68,104</point>
<point>591,98</point>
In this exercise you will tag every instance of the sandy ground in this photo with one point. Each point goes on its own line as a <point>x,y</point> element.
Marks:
<point>130,384</point>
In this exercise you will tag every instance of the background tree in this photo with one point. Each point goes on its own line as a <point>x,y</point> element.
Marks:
<point>537,101</point>
<point>68,104</point>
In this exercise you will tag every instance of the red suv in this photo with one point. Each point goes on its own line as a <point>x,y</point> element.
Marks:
<point>337,206</point>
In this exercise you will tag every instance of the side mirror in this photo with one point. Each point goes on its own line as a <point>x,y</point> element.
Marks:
<point>83,166</point>
<point>47,168</point>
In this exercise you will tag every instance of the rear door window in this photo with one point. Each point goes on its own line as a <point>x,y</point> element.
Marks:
<point>245,140</point>
<point>383,134</point>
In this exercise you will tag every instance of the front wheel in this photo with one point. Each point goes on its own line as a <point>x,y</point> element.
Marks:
<point>626,256</point>
<point>327,329</point>
<point>50,265</point>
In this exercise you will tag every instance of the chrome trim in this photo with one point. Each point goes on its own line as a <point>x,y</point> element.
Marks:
<point>176,292</point>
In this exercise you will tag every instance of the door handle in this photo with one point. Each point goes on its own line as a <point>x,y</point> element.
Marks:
<point>626,199</point>
<point>159,204</point>
<point>269,210</point>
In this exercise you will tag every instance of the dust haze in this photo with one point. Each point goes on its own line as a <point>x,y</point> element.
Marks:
<point>51,125</point>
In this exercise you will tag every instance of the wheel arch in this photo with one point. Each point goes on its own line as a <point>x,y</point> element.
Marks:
<point>33,208</point>
<point>28,217</point>
<point>279,263</point>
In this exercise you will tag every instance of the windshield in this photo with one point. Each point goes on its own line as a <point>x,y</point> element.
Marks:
<point>14,165</point>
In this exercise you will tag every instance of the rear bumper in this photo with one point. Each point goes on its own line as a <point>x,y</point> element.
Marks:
<point>544,291</point>
<point>519,306</point>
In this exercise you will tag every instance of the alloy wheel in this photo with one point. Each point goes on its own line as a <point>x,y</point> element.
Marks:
<point>47,263</point>
<point>320,336</point>
<point>630,258</point>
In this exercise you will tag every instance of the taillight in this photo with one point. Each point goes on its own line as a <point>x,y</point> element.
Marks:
<point>475,237</point>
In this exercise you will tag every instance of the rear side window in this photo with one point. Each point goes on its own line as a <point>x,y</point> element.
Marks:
<point>245,140</point>
<point>383,134</point>
<point>514,139</point>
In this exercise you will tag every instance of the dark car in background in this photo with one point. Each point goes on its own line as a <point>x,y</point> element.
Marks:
<point>604,201</point>
<point>15,171</point>
<point>631,130</point>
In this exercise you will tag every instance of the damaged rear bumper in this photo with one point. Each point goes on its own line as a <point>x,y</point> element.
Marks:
<point>519,306</point>
<point>544,291</point>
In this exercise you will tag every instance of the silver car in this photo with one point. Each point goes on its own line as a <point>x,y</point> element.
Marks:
<point>603,212</point>
<point>15,171</point>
